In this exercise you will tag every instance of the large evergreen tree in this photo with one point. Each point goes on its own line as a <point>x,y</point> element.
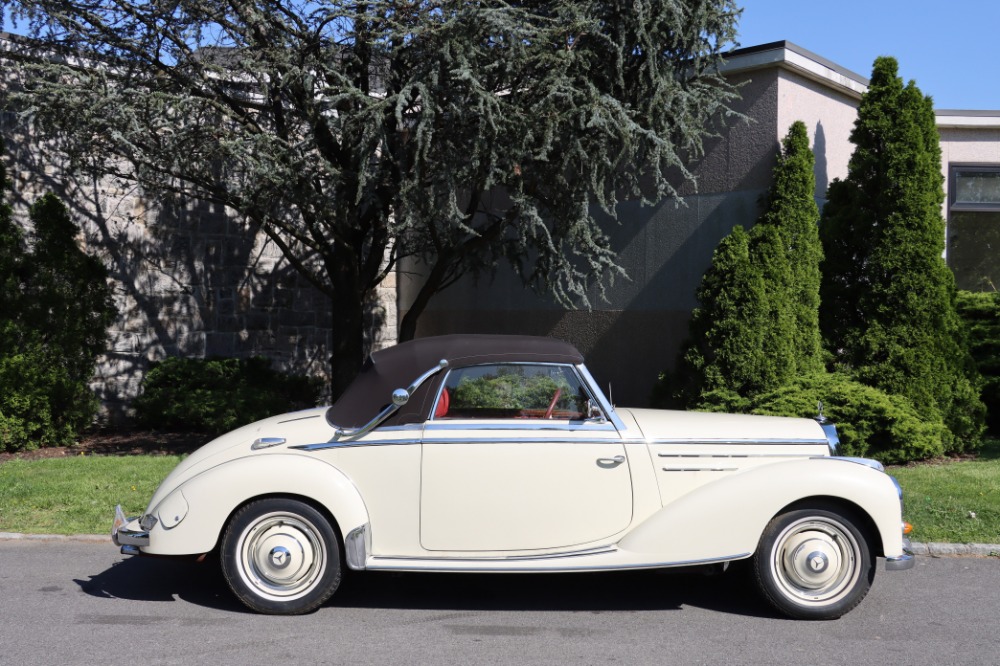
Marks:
<point>356,134</point>
<point>888,310</point>
<point>757,323</point>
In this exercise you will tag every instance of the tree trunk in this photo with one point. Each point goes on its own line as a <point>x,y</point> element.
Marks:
<point>347,345</point>
<point>432,284</point>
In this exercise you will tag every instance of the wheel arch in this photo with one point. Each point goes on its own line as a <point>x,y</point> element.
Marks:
<point>213,497</point>
<point>865,523</point>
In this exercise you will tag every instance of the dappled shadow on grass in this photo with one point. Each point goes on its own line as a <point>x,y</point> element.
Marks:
<point>123,443</point>
<point>990,449</point>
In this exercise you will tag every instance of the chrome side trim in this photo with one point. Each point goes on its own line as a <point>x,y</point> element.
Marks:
<point>444,440</point>
<point>736,442</point>
<point>572,426</point>
<point>356,548</point>
<point>735,455</point>
<point>409,427</point>
<point>867,462</point>
<point>350,444</point>
<point>524,565</point>
<point>301,418</point>
<point>600,550</point>
<point>522,440</point>
<point>700,469</point>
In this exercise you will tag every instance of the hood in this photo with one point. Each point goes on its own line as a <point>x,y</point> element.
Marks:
<point>305,427</point>
<point>662,424</point>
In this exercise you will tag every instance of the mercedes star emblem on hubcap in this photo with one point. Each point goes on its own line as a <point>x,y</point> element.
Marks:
<point>817,562</point>
<point>280,557</point>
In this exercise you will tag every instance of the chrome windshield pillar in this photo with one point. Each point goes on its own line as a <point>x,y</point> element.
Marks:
<point>399,398</point>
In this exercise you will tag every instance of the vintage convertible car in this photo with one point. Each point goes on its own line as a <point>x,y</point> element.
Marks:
<point>503,455</point>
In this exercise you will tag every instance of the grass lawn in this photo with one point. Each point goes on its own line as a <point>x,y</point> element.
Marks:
<point>955,501</point>
<point>77,495</point>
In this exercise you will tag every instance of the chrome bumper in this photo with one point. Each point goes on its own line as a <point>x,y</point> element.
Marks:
<point>127,533</point>
<point>901,562</point>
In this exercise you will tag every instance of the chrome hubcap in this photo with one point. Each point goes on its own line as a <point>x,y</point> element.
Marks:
<point>816,560</point>
<point>281,556</point>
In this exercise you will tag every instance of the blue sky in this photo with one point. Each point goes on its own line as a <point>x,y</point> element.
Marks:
<point>949,47</point>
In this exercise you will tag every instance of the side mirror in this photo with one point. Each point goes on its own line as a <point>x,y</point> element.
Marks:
<point>400,397</point>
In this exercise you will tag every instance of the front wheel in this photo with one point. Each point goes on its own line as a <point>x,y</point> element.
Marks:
<point>814,564</point>
<point>281,556</point>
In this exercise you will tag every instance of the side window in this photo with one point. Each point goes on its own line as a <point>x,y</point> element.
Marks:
<point>512,391</point>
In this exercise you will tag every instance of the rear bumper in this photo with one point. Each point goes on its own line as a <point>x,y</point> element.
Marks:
<point>127,533</point>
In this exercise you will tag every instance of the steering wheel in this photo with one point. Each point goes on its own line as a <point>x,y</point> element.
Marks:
<point>552,405</point>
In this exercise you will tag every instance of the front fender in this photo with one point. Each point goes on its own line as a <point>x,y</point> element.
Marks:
<point>190,519</point>
<point>725,519</point>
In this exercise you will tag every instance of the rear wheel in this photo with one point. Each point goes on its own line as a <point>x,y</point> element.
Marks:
<point>814,563</point>
<point>281,556</point>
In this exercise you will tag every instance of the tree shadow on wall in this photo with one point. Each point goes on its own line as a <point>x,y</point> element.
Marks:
<point>190,279</point>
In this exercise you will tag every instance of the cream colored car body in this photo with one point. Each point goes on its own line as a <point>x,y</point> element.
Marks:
<point>566,484</point>
<point>692,488</point>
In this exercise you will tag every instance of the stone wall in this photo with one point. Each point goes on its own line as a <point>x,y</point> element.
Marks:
<point>190,278</point>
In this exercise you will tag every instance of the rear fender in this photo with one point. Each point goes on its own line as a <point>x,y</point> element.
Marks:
<point>725,518</point>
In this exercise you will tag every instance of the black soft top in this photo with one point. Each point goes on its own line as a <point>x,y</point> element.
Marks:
<point>397,367</point>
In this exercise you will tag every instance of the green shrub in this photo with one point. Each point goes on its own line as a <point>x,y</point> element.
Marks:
<point>870,422</point>
<point>55,308</point>
<point>981,313</point>
<point>757,324</point>
<point>47,407</point>
<point>511,389</point>
<point>218,394</point>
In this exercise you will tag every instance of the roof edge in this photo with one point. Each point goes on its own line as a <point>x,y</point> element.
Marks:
<point>791,56</point>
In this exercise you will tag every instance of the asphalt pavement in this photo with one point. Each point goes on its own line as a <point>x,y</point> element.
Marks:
<point>78,601</point>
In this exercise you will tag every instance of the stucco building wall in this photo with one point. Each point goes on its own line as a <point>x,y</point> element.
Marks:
<point>637,333</point>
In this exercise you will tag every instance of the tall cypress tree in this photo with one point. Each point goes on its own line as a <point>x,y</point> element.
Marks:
<point>757,326</point>
<point>888,298</point>
<point>794,215</point>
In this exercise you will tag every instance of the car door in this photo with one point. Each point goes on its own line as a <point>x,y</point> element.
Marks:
<point>510,462</point>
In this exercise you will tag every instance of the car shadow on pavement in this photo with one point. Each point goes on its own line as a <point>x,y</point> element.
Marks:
<point>202,584</point>
<point>164,579</point>
<point>729,592</point>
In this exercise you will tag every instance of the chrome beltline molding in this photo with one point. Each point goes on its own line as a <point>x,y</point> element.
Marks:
<point>534,426</point>
<point>572,440</point>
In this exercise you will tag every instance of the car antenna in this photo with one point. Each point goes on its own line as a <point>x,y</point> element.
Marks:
<point>611,398</point>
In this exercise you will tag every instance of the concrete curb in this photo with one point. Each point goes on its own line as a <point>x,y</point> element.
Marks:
<point>920,549</point>
<point>956,549</point>
<point>17,536</point>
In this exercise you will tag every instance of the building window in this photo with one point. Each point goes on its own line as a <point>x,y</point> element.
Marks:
<point>974,226</point>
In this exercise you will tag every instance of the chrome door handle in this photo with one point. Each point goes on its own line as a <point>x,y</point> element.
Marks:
<point>608,463</point>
